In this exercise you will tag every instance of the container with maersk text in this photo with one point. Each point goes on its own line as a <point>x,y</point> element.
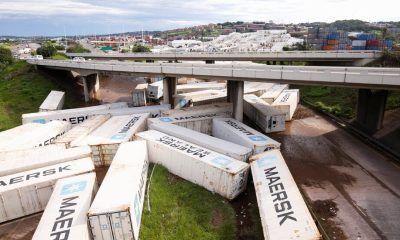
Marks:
<point>65,214</point>
<point>28,192</point>
<point>283,212</point>
<point>287,102</point>
<point>232,130</point>
<point>213,171</point>
<point>117,208</point>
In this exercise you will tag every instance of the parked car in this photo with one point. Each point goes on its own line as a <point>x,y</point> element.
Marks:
<point>37,57</point>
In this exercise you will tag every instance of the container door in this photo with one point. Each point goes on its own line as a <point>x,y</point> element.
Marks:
<point>100,227</point>
<point>122,226</point>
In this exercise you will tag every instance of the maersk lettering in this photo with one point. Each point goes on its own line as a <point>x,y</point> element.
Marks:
<point>184,147</point>
<point>236,126</point>
<point>140,191</point>
<point>62,226</point>
<point>285,98</point>
<point>129,125</point>
<point>51,140</point>
<point>279,195</point>
<point>195,117</point>
<point>4,181</point>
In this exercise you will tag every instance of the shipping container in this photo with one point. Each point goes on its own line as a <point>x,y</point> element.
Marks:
<point>105,140</point>
<point>213,171</point>
<point>23,160</point>
<point>271,94</point>
<point>32,135</point>
<point>82,130</point>
<point>224,147</point>
<point>375,43</point>
<point>74,116</point>
<point>365,36</point>
<point>224,108</point>
<point>155,90</point>
<point>65,213</point>
<point>200,123</point>
<point>268,118</point>
<point>154,110</point>
<point>287,102</point>
<point>198,98</point>
<point>139,95</point>
<point>193,87</point>
<point>117,208</point>
<point>28,192</point>
<point>232,130</point>
<point>283,212</point>
<point>54,101</point>
<point>257,88</point>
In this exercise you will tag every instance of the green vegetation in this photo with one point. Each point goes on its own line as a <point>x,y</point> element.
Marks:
<point>140,48</point>
<point>48,49</point>
<point>181,210</point>
<point>341,102</point>
<point>22,90</point>
<point>352,25</point>
<point>5,57</point>
<point>77,48</point>
<point>59,56</point>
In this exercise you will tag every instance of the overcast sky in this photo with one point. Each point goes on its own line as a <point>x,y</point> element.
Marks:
<point>51,17</point>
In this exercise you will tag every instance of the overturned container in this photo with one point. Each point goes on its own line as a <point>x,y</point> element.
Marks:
<point>232,130</point>
<point>256,88</point>
<point>74,116</point>
<point>284,214</point>
<point>230,149</point>
<point>211,170</point>
<point>28,159</point>
<point>117,208</point>
<point>32,135</point>
<point>139,95</point>
<point>155,90</point>
<point>287,102</point>
<point>28,192</point>
<point>154,110</point>
<point>53,101</point>
<point>273,93</point>
<point>223,108</point>
<point>194,87</point>
<point>105,140</point>
<point>266,117</point>
<point>198,98</point>
<point>65,213</point>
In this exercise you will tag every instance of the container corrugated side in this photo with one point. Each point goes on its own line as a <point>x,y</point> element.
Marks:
<point>284,214</point>
<point>65,213</point>
<point>226,108</point>
<point>211,170</point>
<point>155,90</point>
<point>82,130</point>
<point>287,102</point>
<point>28,192</point>
<point>199,123</point>
<point>232,130</point>
<point>189,99</point>
<point>53,101</point>
<point>117,208</point>
<point>105,140</point>
<point>230,149</point>
<point>24,160</point>
<point>273,93</point>
<point>194,87</point>
<point>32,135</point>
<point>266,117</point>
<point>74,116</point>
<point>154,110</point>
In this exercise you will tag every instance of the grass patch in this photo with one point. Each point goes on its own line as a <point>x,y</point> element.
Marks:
<point>182,210</point>
<point>22,90</point>
<point>59,56</point>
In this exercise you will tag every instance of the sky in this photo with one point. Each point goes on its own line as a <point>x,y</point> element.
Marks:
<point>82,17</point>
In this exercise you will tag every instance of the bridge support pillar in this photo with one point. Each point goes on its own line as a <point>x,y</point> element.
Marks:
<point>371,109</point>
<point>169,90</point>
<point>85,88</point>
<point>210,61</point>
<point>235,96</point>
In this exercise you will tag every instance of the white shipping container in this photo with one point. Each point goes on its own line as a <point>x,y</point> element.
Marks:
<point>232,130</point>
<point>287,102</point>
<point>284,214</point>
<point>139,95</point>
<point>359,43</point>
<point>105,140</point>
<point>230,149</point>
<point>74,116</point>
<point>211,170</point>
<point>154,110</point>
<point>273,93</point>
<point>198,98</point>
<point>28,192</point>
<point>117,208</point>
<point>54,101</point>
<point>82,130</point>
<point>193,87</point>
<point>257,88</point>
<point>65,213</point>
<point>32,135</point>
<point>199,123</point>
<point>224,108</point>
<point>155,90</point>
<point>23,160</point>
<point>268,118</point>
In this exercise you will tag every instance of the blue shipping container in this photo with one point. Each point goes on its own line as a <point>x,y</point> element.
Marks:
<point>365,36</point>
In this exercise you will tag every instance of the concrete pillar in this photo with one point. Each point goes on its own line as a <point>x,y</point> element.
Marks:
<point>85,88</point>
<point>371,109</point>
<point>235,91</point>
<point>210,61</point>
<point>169,90</point>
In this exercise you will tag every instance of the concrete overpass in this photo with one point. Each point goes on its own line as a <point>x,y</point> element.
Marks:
<point>371,104</point>
<point>356,58</point>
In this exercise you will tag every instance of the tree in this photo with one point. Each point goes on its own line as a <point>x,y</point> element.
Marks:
<point>140,48</point>
<point>47,50</point>
<point>5,56</point>
<point>77,48</point>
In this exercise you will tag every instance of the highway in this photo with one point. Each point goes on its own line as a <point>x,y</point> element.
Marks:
<point>336,56</point>
<point>356,77</point>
